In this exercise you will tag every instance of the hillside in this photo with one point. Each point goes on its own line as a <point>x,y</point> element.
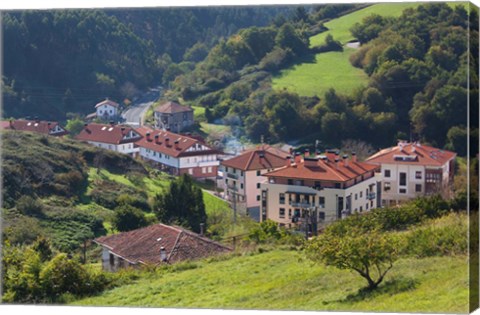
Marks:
<point>285,280</point>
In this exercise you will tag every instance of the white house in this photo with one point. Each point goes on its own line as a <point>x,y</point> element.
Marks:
<point>409,170</point>
<point>106,110</point>
<point>178,154</point>
<point>111,137</point>
<point>311,192</point>
<point>242,176</point>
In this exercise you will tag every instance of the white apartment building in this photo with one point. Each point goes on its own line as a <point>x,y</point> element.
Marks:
<point>311,192</point>
<point>410,170</point>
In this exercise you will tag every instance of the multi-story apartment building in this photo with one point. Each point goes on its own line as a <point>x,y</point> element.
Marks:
<point>178,154</point>
<point>409,170</point>
<point>111,137</point>
<point>242,176</point>
<point>173,116</point>
<point>310,192</point>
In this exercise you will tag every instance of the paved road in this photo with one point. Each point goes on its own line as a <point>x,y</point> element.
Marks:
<point>136,111</point>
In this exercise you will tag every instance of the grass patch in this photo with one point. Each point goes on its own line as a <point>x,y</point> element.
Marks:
<point>328,70</point>
<point>285,280</point>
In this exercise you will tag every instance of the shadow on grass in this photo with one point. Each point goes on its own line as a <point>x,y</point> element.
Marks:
<point>391,287</point>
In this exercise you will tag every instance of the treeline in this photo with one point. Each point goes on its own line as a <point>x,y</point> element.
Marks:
<point>417,67</point>
<point>64,61</point>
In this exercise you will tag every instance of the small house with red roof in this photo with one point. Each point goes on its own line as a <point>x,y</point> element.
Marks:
<point>111,137</point>
<point>154,245</point>
<point>312,191</point>
<point>50,128</point>
<point>178,154</point>
<point>242,176</point>
<point>409,170</point>
<point>173,117</point>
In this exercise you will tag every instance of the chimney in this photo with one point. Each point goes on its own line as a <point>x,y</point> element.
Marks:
<point>288,161</point>
<point>156,138</point>
<point>307,153</point>
<point>354,157</point>
<point>261,156</point>
<point>298,158</point>
<point>176,145</point>
<point>167,142</point>
<point>330,155</point>
<point>148,136</point>
<point>123,129</point>
<point>337,162</point>
<point>11,123</point>
<point>345,160</point>
<point>310,161</point>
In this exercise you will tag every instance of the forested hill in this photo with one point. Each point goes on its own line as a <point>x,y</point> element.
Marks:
<point>62,61</point>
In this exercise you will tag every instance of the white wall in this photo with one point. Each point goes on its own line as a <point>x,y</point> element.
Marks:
<point>126,148</point>
<point>106,108</point>
<point>199,161</point>
<point>159,157</point>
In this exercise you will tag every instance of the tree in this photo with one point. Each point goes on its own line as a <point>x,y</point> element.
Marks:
<point>128,218</point>
<point>181,204</point>
<point>368,252</point>
<point>74,126</point>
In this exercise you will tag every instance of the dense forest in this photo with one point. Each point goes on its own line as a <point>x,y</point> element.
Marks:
<point>417,66</point>
<point>64,61</point>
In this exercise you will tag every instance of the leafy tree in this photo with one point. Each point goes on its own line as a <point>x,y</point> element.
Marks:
<point>196,53</point>
<point>288,37</point>
<point>369,253</point>
<point>29,206</point>
<point>74,126</point>
<point>182,204</point>
<point>128,218</point>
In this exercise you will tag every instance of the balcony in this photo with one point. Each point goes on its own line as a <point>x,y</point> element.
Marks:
<point>371,196</point>
<point>301,204</point>
<point>232,176</point>
<point>232,188</point>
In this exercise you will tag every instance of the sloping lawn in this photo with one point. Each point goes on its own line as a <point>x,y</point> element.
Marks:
<point>286,280</point>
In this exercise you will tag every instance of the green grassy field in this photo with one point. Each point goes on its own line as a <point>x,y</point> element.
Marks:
<point>286,280</point>
<point>333,69</point>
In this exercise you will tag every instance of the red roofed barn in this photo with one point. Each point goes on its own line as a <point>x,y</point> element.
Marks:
<point>155,244</point>
<point>409,170</point>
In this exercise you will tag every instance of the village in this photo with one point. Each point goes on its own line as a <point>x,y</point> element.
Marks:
<point>300,191</point>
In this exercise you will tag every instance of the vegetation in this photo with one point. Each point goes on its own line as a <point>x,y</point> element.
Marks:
<point>128,218</point>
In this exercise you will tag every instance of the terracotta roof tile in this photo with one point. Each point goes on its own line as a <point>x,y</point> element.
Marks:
<point>413,154</point>
<point>106,133</point>
<point>107,102</point>
<point>159,144</point>
<point>143,245</point>
<point>39,126</point>
<point>172,107</point>
<point>251,160</point>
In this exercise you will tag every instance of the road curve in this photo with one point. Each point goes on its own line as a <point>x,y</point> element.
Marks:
<point>134,115</point>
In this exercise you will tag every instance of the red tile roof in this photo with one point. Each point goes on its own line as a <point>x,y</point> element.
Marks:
<point>172,107</point>
<point>143,245</point>
<point>39,126</point>
<point>107,102</point>
<point>106,133</point>
<point>325,169</point>
<point>160,144</point>
<point>412,154</point>
<point>251,160</point>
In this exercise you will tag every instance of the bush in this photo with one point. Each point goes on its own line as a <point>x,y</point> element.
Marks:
<point>30,206</point>
<point>128,218</point>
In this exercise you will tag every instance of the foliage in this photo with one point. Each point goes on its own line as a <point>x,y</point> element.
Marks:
<point>371,254</point>
<point>181,204</point>
<point>29,206</point>
<point>128,218</point>
<point>74,126</point>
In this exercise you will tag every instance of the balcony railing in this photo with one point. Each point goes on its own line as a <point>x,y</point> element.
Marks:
<point>232,188</point>
<point>301,204</point>
<point>233,176</point>
<point>371,196</point>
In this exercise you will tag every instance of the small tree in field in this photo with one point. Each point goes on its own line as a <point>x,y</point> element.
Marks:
<point>370,253</point>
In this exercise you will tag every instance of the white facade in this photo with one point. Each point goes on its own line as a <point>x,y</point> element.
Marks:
<point>106,111</point>
<point>289,205</point>
<point>126,148</point>
<point>159,157</point>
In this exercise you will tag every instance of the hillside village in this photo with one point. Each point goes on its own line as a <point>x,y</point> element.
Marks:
<point>317,157</point>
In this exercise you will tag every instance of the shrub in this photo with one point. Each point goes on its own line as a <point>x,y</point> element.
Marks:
<point>29,206</point>
<point>128,218</point>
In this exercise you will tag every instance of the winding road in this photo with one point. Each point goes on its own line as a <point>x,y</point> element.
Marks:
<point>134,115</point>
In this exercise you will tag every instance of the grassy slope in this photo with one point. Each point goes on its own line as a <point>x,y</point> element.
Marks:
<point>333,69</point>
<point>285,280</point>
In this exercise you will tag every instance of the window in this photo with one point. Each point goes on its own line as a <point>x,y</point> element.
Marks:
<point>298,182</point>
<point>403,191</point>
<point>258,197</point>
<point>258,185</point>
<point>418,175</point>
<point>290,181</point>
<point>386,186</point>
<point>387,173</point>
<point>361,194</point>
<point>361,209</point>
<point>356,196</point>
<point>403,179</point>
<point>259,173</point>
<point>209,169</point>
<point>321,202</point>
<point>226,181</point>
<point>204,170</point>
<point>282,199</point>
<point>241,173</point>
<point>289,213</point>
<point>281,213</point>
<point>366,206</point>
<point>338,185</point>
<point>418,188</point>
<point>190,171</point>
<point>241,185</point>
<point>112,260</point>
<point>321,216</point>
